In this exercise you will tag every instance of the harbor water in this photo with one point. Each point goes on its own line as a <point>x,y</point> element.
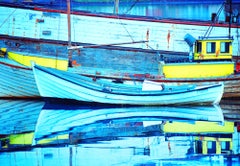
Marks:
<point>44,132</point>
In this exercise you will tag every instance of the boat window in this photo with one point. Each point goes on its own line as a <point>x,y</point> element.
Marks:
<point>199,47</point>
<point>224,47</point>
<point>211,47</point>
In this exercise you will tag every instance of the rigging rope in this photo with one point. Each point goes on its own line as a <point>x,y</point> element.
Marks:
<point>214,21</point>
<point>7,18</point>
<point>121,23</point>
<point>131,7</point>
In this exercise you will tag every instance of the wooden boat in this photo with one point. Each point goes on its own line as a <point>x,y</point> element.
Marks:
<point>89,64</point>
<point>59,84</point>
<point>17,81</point>
<point>205,67</point>
<point>208,57</point>
<point>212,62</point>
<point>48,61</point>
<point>210,69</point>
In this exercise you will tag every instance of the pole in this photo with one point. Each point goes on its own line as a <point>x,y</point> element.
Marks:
<point>230,15</point>
<point>69,32</point>
<point>116,6</point>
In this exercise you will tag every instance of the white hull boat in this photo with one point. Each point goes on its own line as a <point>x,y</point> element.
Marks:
<point>54,83</point>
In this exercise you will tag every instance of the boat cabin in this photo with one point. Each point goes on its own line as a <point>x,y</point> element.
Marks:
<point>209,57</point>
<point>213,49</point>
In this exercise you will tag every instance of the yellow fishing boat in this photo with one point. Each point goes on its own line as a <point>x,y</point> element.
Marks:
<point>211,58</point>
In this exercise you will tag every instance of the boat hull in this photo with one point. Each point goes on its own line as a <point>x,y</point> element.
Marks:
<point>197,69</point>
<point>17,82</point>
<point>231,83</point>
<point>58,63</point>
<point>57,84</point>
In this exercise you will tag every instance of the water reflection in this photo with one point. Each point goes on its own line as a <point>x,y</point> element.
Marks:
<point>63,133</point>
<point>160,10</point>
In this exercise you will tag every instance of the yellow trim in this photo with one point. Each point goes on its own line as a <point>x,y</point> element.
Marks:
<point>21,139</point>
<point>61,64</point>
<point>198,127</point>
<point>3,51</point>
<point>56,138</point>
<point>208,138</point>
<point>204,147</point>
<point>197,70</point>
<point>218,147</point>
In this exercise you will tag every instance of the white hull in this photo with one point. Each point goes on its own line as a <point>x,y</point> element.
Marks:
<point>57,84</point>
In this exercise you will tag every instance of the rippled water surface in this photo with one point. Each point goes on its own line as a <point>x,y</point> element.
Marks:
<point>37,132</point>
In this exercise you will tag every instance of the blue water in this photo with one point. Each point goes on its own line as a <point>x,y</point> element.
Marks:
<point>37,132</point>
<point>44,132</point>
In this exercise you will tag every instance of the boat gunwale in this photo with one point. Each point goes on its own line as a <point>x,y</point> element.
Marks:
<point>15,66</point>
<point>139,93</point>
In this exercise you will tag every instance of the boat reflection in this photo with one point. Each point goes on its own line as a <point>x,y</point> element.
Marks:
<point>18,119</point>
<point>65,133</point>
<point>66,118</point>
<point>231,109</point>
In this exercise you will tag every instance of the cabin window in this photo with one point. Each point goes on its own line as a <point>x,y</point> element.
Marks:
<point>211,47</point>
<point>211,147</point>
<point>225,145</point>
<point>224,47</point>
<point>199,47</point>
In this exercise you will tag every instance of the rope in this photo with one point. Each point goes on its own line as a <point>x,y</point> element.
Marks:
<point>214,21</point>
<point>131,7</point>
<point>125,29</point>
<point>7,18</point>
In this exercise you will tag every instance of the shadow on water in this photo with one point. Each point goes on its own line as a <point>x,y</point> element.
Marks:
<point>36,132</point>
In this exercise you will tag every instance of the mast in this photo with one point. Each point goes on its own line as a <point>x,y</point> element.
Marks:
<point>116,6</point>
<point>230,15</point>
<point>69,32</point>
